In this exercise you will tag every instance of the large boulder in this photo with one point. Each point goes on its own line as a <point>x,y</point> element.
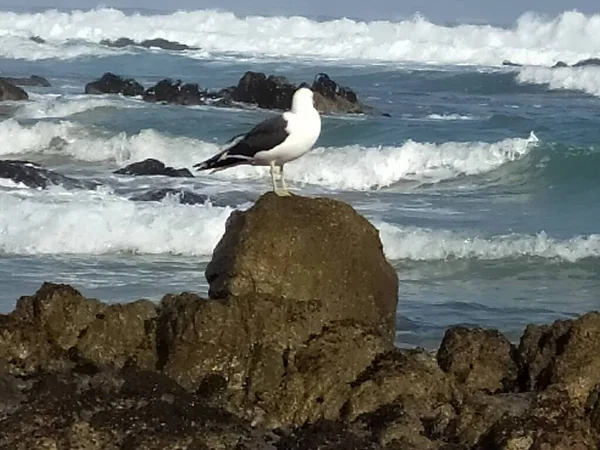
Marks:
<point>109,83</point>
<point>310,250</point>
<point>10,92</point>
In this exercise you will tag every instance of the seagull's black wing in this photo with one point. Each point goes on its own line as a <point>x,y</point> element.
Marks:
<point>264,136</point>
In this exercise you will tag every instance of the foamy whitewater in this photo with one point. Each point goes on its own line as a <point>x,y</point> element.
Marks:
<point>483,182</point>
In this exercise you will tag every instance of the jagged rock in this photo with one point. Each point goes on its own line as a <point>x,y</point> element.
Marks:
<point>511,64</point>
<point>110,83</point>
<point>479,359</point>
<point>168,91</point>
<point>165,44</point>
<point>35,176</point>
<point>184,196</point>
<point>562,355</point>
<point>268,248</point>
<point>273,92</point>
<point>115,410</point>
<point>33,80</point>
<point>325,435</point>
<point>10,92</point>
<point>152,166</point>
<point>552,422</point>
<point>560,64</point>
<point>587,62</point>
<point>37,39</point>
<point>118,43</point>
<point>477,411</point>
<point>410,378</point>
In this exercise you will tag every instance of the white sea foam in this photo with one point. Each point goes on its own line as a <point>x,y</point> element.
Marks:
<point>451,117</point>
<point>570,36</point>
<point>430,245</point>
<point>351,167</point>
<point>585,79</point>
<point>56,106</point>
<point>80,222</point>
<point>55,221</point>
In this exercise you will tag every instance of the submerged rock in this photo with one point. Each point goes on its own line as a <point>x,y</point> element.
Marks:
<point>110,83</point>
<point>33,80</point>
<point>165,44</point>
<point>35,176</point>
<point>184,196</point>
<point>153,166</point>
<point>10,92</point>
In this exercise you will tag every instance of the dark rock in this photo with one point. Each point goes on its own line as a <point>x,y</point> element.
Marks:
<point>35,176</point>
<point>110,83</point>
<point>511,64</point>
<point>118,43</point>
<point>477,411</point>
<point>273,92</point>
<point>479,359</point>
<point>551,423</point>
<point>410,378</point>
<point>325,435</point>
<point>152,166</point>
<point>168,91</point>
<point>164,44</point>
<point>331,90</point>
<point>184,196</point>
<point>560,64</point>
<point>37,39</point>
<point>587,62</point>
<point>301,233</point>
<point>33,80</point>
<point>10,92</point>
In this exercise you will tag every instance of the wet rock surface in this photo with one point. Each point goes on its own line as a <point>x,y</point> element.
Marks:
<point>264,363</point>
<point>153,166</point>
<point>253,89</point>
<point>33,80</point>
<point>164,44</point>
<point>109,83</point>
<point>11,92</point>
<point>35,176</point>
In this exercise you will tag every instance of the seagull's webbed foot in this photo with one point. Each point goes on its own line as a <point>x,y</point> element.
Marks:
<point>282,192</point>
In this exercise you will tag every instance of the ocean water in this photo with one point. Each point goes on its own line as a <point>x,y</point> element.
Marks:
<point>483,183</point>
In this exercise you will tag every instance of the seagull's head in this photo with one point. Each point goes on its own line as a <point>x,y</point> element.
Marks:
<point>303,99</point>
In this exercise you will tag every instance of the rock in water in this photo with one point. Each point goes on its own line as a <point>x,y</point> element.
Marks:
<point>110,83</point>
<point>308,250</point>
<point>34,176</point>
<point>33,80</point>
<point>151,166</point>
<point>9,91</point>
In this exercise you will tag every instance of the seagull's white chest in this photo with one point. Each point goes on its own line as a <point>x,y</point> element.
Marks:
<point>304,130</point>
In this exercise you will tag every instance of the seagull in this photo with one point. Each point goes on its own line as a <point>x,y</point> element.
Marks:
<point>273,142</point>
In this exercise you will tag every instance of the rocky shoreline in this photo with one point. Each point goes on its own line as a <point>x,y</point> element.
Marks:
<point>293,349</point>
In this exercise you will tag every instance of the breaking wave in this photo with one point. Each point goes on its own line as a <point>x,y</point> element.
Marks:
<point>351,167</point>
<point>534,40</point>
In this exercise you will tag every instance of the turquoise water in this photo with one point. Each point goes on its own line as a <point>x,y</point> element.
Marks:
<point>483,182</point>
